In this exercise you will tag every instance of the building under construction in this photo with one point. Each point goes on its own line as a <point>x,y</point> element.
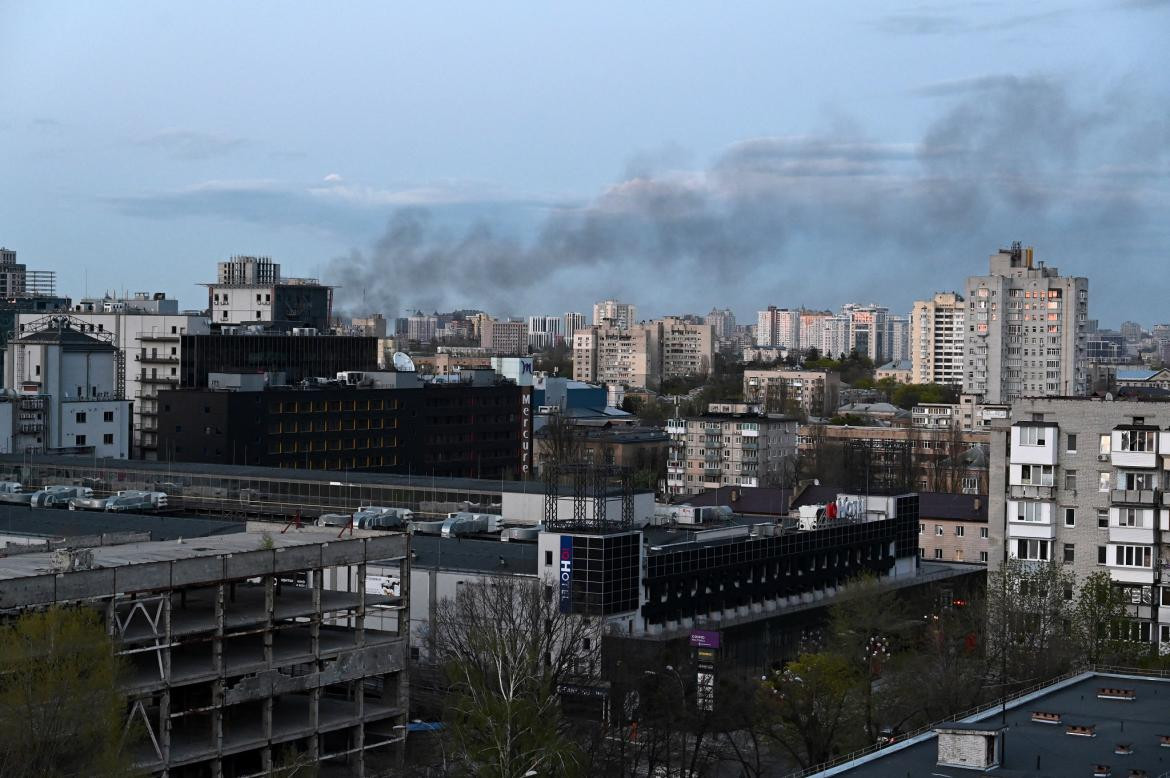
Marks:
<point>246,651</point>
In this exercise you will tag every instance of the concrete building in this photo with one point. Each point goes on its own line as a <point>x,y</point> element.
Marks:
<point>614,314</point>
<point>544,332</point>
<point>812,329</point>
<point>25,291</point>
<point>868,330</point>
<point>373,326</point>
<point>938,335</point>
<point>722,321</point>
<point>900,372</point>
<point>953,527</point>
<point>687,349</point>
<point>897,338</point>
<point>815,392</point>
<point>636,447</point>
<point>1025,330</point>
<point>421,327</point>
<point>630,356</point>
<point>148,329</point>
<point>504,338</point>
<point>968,414</point>
<point>245,646</point>
<point>65,393</point>
<point>1081,481</point>
<point>251,291</point>
<point>731,444</point>
<point>571,322</point>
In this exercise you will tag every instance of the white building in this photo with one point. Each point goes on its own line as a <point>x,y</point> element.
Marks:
<point>938,335</point>
<point>778,328</point>
<point>615,314</point>
<point>64,396</point>
<point>147,329</point>
<point>250,290</point>
<point>571,323</point>
<point>544,332</point>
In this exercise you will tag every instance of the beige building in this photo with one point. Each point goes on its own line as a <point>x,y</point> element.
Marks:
<point>937,338</point>
<point>616,355</point>
<point>504,338</point>
<point>614,314</point>
<point>896,371</point>
<point>953,528</point>
<point>1025,330</point>
<point>687,349</point>
<point>733,444</point>
<point>968,414</point>
<point>816,392</point>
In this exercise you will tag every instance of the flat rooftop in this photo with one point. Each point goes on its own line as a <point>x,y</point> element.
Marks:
<point>45,523</point>
<point>1039,749</point>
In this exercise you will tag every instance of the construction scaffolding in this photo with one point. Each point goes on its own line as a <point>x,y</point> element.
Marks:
<point>589,490</point>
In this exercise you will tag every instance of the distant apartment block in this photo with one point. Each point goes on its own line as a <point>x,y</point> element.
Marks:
<point>816,392</point>
<point>251,291</point>
<point>1083,482</point>
<point>642,355</point>
<point>1025,330</point>
<point>953,528</point>
<point>544,332</point>
<point>733,444</point>
<point>571,322</point>
<point>778,328</point>
<point>504,338</point>
<point>937,338</point>
<point>968,415</point>
<point>615,314</point>
<point>687,349</point>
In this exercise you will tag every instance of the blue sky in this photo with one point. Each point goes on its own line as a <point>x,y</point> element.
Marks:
<point>530,158</point>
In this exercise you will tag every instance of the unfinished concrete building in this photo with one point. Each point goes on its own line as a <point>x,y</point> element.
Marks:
<point>246,651</point>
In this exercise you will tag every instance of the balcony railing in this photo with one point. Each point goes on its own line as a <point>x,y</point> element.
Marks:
<point>167,358</point>
<point>159,336</point>
<point>1146,497</point>
<point>1031,492</point>
<point>159,379</point>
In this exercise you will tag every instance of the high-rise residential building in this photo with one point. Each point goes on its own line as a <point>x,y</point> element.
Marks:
<point>421,327</point>
<point>572,322</point>
<point>687,349</point>
<point>868,331</point>
<point>937,338</point>
<point>618,355</point>
<point>778,328</point>
<point>812,328</point>
<point>250,290</point>
<point>147,329</point>
<point>504,338</point>
<point>733,444</point>
<point>722,321</point>
<point>1080,481</point>
<point>544,332</point>
<point>815,392</point>
<point>615,314</point>
<point>897,338</point>
<point>1025,330</point>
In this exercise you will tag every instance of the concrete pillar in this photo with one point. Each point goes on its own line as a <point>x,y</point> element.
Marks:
<point>217,686</point>
<point>360,616</point>
<point>269,608</point>
<point>315,640</point>
<point>164,705</point>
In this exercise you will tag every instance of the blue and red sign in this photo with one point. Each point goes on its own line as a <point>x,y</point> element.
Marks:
<point>566,573</point>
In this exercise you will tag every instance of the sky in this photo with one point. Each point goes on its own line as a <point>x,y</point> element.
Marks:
<point>529,158</point>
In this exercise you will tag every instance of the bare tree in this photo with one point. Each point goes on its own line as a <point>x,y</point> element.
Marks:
<point>506,649</point>
<point>560,442</point>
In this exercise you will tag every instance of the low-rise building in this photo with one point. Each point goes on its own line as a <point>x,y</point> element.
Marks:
<point>895,371</point>
<point>732,444</point>
<point>953,527</point>
<point>813,392</point>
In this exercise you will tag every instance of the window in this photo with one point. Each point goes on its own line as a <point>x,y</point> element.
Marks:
<point>108,439</point>
<point>1032,549</point>
<point>80,417</point>
<point>982,556</point>
<point>959,530</point>
<point>108,416</point>
<point>1134,481</point>
<point>1102,482</point>
<point>1137,440</point>
<point>1102,518</point>
<point>1029,511</point>
<point>1070,444</point>
<point>1070,517</point>
<point>1129,517</point>
<point>1069,553</point>
<point>1106,445</point>
<point>1102,554</point>
<point>922,553</point>
<point>983,532</point>
<point>548,559</point>
<point>81,440</point>
<point>938,553</point>
<point>938,530</point>
<point>921,529</point>
<point>1036,475</point>
<point>1032,436</point>
<point>1070,480</point>
<point>1132,556</point>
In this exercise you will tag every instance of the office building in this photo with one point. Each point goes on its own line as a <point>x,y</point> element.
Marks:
<point>246,647</point>
<point>812,392</point>
<point>296,357</point>
<point>1080,481</point>
<point>611,313</point>
<point>732,444</point>
<point>473,426</point>
<point>938,335</point>
<point>251,291</point>
<point>62,393</point>
<point>1025,330</point>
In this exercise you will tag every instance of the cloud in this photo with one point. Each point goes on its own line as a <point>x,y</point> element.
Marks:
<point>332,178</point>
<point>192,144</point>
<point>930,20</point>
<point>1008,157</point>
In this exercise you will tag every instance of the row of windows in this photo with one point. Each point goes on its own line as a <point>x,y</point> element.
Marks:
<point>959,555</point>
<point>960,530</point>
<point>82,440</point>
<point>322,406</point>
<point>107,416</point>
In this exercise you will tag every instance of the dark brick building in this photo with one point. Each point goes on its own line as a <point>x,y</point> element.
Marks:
<point>456,430</point>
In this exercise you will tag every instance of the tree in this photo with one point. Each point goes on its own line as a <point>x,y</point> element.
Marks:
<point>560,441</point>
<point>1100,612</point>
<point>1029,621</point>
<point>812,710</point>
<point>61,711</point>
<point>506,647</point>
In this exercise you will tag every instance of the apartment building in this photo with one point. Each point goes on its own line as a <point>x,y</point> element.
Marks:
<point>687,349</point>
<point>937,337</point>
<point>615,314</point>
<point>618,355</point>
<point>722,320</point>
<point>897,338</point>
<point>868,330</point>
<point>953,528</point>
<point>778,328</point>
<point>544,332</point>
<point>504,338</point>
<point>572,321</point>
<point>733,444</point>
<point>968,414</point>
<point>1082,481</point>
<point>1026,332</point>
<point>815,392</point>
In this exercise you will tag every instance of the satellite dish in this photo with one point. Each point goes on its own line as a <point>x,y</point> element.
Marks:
<point>403,363</point>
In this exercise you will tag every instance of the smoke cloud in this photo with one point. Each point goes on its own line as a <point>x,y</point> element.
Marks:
<point>812,220</point>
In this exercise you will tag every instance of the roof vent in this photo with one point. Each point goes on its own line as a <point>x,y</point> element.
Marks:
<point>969,745</point>
<point>1043,717</point>
<point>1081,730</point>
<point>1109,693</point>
<point>1123,748</point>
<point>1101,771</point>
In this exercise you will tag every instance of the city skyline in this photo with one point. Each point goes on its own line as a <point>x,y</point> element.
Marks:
<point>888,176</point>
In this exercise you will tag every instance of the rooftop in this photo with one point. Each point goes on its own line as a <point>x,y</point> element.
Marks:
<point>54,523</point>
<point>1044,749</point>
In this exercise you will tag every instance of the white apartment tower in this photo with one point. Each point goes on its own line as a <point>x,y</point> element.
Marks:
<point>572,322</point>
<point>937,338</point>
<point>778,328</point>
<point>1025,330</point>
<point>615,314</point>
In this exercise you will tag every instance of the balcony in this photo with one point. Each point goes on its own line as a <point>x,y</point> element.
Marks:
<point>1143,497</point>
<point>172,380</point>
<point>1031,492</point>
<point>159,337</point>
<point>170,359</point>
<point>1131,535</point>
<point>1031,529</point>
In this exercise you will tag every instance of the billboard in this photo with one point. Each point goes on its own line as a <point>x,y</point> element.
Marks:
<point>566,574</point>
<point>704,638</point>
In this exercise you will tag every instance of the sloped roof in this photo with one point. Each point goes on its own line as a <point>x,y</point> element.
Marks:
<point>67,337</point>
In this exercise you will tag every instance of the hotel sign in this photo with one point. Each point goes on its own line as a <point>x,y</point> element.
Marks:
<point>566,573</point>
